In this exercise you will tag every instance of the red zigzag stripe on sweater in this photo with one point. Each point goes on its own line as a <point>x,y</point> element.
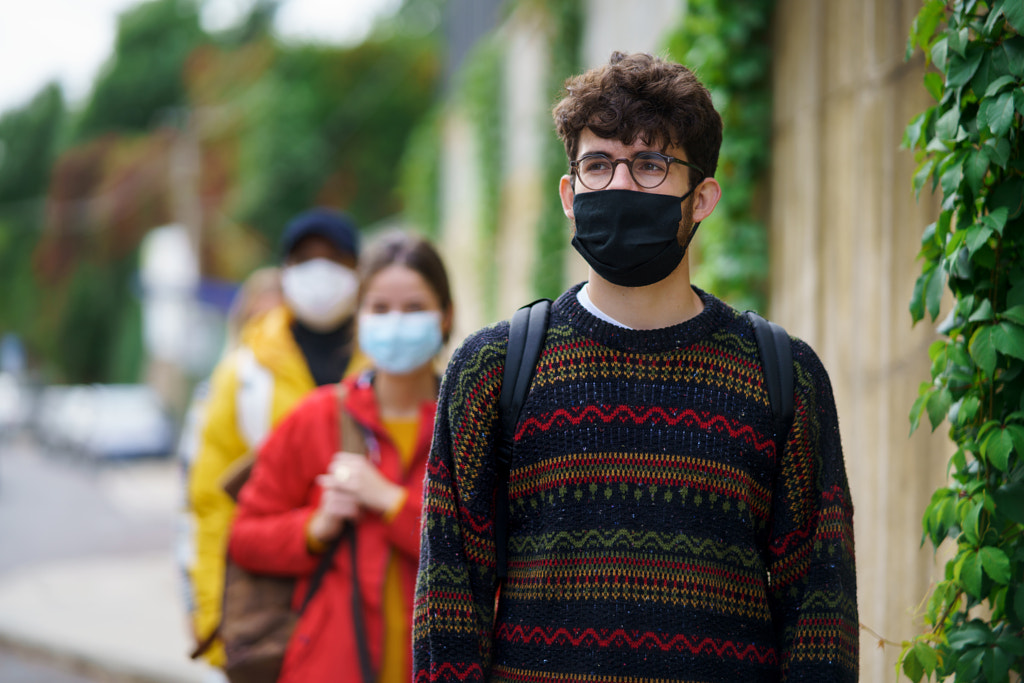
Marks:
<point>446,671</point>
<point>627,414</point>
<point>619,637</point>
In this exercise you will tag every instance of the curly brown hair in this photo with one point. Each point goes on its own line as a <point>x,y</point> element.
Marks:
<point>642,97</point>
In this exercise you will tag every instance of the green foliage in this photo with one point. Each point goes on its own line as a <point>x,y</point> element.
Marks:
<point>94,342</point>
<point>479,91</point>
<point>971,148</point>
<point>420,185</point>
<point>330,126</point>
<point>727,45</point>
<point>28,145</point>
<point>142,82</point>
<point>553,233</point>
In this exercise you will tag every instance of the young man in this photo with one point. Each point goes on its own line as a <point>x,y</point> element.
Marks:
<point>284,354</point>
<point>655,531</point>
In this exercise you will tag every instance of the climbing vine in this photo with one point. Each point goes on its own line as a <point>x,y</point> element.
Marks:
<point>970,147</point>
<point>727,45</point>
<point>553,233</point>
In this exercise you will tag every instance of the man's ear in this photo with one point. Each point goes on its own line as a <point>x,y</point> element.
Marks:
<point>567,194</point>
<point>447,321</point>
<point>705,199</point>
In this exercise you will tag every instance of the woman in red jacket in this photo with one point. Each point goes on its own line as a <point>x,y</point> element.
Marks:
<point>303,491</point>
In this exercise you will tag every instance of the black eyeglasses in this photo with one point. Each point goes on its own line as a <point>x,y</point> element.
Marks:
<point>649,169</point>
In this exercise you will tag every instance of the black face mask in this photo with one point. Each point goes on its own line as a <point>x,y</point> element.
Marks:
<point>630,238</point>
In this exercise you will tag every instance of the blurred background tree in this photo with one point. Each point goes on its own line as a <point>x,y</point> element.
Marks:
<point>266,129</point>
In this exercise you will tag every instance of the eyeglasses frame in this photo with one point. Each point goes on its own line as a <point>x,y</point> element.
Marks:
<point>574,168</point>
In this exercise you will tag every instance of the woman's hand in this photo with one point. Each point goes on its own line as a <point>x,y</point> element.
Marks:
<point>337,505</point>
<point>355,475</point>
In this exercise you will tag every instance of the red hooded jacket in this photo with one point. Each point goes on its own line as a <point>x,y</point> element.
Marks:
<point>269,532</point>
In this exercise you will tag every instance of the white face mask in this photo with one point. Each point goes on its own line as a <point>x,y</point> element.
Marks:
<point>320,292</point>
<point>400,342</point>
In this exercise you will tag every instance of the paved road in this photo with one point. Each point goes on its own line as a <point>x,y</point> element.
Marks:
<point>21,667</point>
<point>55,508</point>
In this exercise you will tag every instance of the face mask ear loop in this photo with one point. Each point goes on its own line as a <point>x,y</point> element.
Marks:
<point>695,225</point>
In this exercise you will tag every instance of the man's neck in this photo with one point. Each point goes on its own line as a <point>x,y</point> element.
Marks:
<point>663,304</point>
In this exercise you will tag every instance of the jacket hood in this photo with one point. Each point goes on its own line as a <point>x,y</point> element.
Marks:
<point>270,339</point>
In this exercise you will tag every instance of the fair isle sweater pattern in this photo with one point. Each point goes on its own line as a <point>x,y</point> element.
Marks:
<point>654,532</point>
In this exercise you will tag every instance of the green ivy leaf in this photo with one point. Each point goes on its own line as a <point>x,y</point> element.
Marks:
<point>915,412</point>
<point>1016,433</point>
<point>975,169</point>
<point>952,173</point>
<point>995,86</point>
<point>912,666</point>
<point>968,666</point>
<point>933,294</point>
<point>938,405</point>
<point>926,656</point>
<point>933,83</point>
<point>1016,314</point>
<point>996,664</point>
<point>1014,13</point>
<point>958,41</point>
<point>996,564</point>
<point>1010,501</point>
<point>1008,338</point>
<point>997,449</point>
<point>971,633</point>
<point>983,351</point>
<point>1008,641</point>
<point>998,113</point>
<point>998,151</point>
<point>938,53</point>
<point>912,133</point>
<point>924,171</point>
<point>983,312</point>
<point>948,124</point>
<point>969,409</point>
<point>996,219</point>
<point>962,68</point>
<point>971,573</point>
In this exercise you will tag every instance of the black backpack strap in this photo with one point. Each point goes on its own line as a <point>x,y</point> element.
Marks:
<point>526,335</point>
<point>777,361</point>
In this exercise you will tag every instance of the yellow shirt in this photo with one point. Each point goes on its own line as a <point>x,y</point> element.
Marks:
<point>396,664</point>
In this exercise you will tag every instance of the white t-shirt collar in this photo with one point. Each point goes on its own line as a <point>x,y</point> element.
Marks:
<point>583,296</point>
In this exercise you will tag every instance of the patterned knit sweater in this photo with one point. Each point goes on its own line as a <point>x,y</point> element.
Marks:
<point>655,534</point>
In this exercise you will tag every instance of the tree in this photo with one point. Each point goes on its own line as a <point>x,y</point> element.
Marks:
<point>142,81</point>
<point>28,145</point>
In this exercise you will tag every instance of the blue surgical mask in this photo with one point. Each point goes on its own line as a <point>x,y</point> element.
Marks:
<point>400,342</point>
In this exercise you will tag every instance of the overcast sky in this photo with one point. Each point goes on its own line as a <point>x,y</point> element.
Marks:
<point>69,40</point>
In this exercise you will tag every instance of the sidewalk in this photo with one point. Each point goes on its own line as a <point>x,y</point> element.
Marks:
<point>118,616</point>
<point>88,578</point>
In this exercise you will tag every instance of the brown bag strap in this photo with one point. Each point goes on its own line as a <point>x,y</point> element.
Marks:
<point>353,441</point>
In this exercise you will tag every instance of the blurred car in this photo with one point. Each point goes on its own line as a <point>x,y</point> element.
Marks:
<point>14,403</point>
<point>104,421</point>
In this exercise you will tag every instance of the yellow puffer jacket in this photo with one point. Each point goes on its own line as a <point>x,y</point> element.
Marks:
<point>252,388</point>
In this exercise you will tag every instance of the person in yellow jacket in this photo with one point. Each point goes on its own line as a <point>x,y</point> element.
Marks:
<point>283,355</point>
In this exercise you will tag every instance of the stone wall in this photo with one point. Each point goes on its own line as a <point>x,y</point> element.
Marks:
<point>845,231</point>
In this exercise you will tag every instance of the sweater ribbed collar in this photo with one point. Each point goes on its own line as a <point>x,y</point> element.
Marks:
<point>715,316</point>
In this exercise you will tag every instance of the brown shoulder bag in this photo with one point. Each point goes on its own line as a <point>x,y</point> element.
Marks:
<point>257,620</point>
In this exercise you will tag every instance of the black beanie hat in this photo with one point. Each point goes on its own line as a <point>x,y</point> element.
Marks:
<point>335,226</point>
